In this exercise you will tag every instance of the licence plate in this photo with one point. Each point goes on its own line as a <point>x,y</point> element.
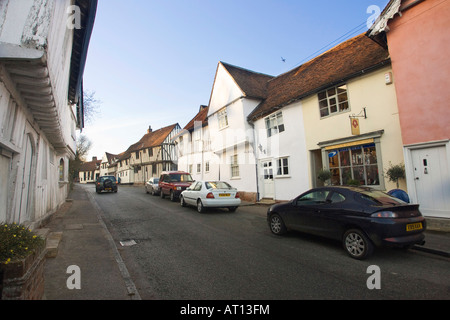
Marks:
<point>224,195</point>
<point>109,189</point>
<point>414,226</point>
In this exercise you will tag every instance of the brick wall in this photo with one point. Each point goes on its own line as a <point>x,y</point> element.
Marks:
<point>24,279</point>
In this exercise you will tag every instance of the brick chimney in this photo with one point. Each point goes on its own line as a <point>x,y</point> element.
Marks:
<point>149,129</point>
<point>94,159</point>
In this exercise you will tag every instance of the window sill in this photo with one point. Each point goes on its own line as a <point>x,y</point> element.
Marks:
<point>334,114</point>
<point>63,183</point>
<point>283,177</point>
<point>235,178</point>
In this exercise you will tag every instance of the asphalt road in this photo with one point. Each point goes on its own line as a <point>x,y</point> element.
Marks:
<point>182,254</point>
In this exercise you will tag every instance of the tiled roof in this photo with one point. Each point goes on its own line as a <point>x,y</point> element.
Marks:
<point>201,116</point>
<point>111,157</point>
<point>253,84</point>
<point>151,139</point>
<point>90,166</point>
<point>337,65</point>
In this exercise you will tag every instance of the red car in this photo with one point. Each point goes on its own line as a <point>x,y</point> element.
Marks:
<point>172,183</point>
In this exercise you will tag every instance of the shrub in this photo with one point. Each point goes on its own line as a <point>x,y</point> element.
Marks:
<point>395,172</point>
<point>324,175</point>
<point>17,242</point>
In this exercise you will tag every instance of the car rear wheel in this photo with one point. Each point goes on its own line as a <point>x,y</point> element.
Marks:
<point>357,244</point>
<point>200,207</point>
<point>277,225</point>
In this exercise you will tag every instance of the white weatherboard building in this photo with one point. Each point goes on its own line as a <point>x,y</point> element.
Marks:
<point>236,93</point>
<point>42,58</point>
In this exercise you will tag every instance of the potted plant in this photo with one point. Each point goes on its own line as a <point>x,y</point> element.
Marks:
<point>22,257</point>
<point>353,182</point>
<point>324,175</point>
<point>395,172</point>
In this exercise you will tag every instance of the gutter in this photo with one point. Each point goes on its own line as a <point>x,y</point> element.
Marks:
<point>410,5</point>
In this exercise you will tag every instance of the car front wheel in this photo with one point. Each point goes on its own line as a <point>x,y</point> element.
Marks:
<point>182,202</point>
<point>357,244</point>
<point>277,225</point>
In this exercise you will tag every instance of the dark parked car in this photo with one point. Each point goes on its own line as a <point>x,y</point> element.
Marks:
<point>172,183</point>
<point>106,183</point>
<point>151,186</point>
<point>362,218</point>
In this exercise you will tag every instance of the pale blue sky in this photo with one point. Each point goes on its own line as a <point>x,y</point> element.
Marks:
<point>153,62</point>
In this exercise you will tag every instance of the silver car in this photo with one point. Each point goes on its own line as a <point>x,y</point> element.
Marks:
<point>211,194</point>
<point>151,186</point>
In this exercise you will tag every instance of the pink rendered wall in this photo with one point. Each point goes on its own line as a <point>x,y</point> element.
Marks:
<point>419,45</point>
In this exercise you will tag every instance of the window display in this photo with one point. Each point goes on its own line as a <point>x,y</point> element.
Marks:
<point>354,165</point>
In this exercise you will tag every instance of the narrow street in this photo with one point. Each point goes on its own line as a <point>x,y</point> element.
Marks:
<point>181,254</point>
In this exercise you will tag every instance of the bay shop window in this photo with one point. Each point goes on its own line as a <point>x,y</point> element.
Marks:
<point>354,162</point>
<point>358,163</point>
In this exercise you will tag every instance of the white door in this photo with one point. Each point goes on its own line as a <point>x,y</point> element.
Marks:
<point>432,181</point>
<point>268,184</point>
<point>24,212</point>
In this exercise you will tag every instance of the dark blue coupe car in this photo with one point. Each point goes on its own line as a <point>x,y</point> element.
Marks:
<point>362,218</point>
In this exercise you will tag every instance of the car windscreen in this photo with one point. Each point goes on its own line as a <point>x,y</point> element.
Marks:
<point>379,198</point>
<point>180,177</point>
<point>102,179</point>
<point>217,185</point>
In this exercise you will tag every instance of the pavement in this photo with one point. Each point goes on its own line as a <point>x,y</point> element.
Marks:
<point>84,262</point>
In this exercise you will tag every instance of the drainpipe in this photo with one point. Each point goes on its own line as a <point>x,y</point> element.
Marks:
<point>256,160</point>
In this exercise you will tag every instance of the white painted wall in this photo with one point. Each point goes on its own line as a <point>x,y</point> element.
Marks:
<point>41,25</point>
<point>237,137</point>
<point>292,144</point>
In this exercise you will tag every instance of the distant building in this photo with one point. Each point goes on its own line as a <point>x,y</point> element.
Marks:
<point>108,164</point>
<point>193,147</point>
<point>152,154</point>
<point>89,171</point>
